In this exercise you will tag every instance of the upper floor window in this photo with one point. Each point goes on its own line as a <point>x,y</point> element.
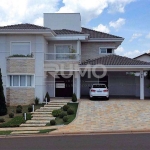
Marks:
<point>65,52</point>
<point>105,50</point>
<point>20,48</point>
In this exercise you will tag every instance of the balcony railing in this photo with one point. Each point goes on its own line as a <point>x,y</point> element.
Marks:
<point>62,56</point>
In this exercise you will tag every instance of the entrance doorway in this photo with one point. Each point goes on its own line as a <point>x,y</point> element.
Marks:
<point>63,86</point>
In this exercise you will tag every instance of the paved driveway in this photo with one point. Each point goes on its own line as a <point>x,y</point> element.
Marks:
<point>112,115</point>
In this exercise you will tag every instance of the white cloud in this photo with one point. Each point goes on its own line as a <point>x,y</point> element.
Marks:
<point>25,11</point>
<point>131,54</point>
<point>92,9</point>
<point>135,36</point>
<point>29,11</point>
<point>119,50</point>
<point>102,28</point>
<point>118,5</point>
<point>117,24</point>
<point>148,36</point>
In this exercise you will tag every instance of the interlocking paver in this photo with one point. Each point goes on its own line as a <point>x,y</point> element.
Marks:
<point>112,115</point>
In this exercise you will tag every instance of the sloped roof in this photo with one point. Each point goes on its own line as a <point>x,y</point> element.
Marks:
<point>97,34</point>
<point>114,60</point>
<point>65,31</point>
<point>148,54</point>
<point>22,27</point>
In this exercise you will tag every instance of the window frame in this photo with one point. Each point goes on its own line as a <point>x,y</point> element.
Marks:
<point>19,42</point>
<point>10,81</point>
<point>106,50</point>
<point>55,45</point>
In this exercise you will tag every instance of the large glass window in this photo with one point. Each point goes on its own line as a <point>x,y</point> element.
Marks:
<point>15,80</point>
<point>20,48</point>
<point>64,52</point>
<point>21,80</point>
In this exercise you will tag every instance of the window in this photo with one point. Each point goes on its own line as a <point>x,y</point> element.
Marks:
<point>105,50</point>
<point>64,52</point>
<point>20,48</point>
<point>21,80</point>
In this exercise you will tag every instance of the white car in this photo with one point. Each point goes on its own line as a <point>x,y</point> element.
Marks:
<point>99,90</point>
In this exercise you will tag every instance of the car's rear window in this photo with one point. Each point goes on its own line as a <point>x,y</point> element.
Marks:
<point>99,86</point>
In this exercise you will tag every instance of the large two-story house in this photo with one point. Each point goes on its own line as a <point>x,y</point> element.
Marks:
<point>34,60</point>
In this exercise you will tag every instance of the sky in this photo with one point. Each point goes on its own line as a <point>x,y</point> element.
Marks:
<point>129,19</point>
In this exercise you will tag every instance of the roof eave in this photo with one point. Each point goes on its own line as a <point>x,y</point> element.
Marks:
<point>116,66</point>
<point>107,39</point>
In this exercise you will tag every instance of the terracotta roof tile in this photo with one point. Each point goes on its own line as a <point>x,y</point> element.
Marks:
<point>65,31</point>
<point>114,60</point>
<point>23,26</point>
<point>98,34</point>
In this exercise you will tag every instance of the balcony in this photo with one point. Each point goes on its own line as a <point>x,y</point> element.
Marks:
<point>62,57</point>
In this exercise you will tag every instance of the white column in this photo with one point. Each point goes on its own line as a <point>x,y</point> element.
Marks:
<point>78,84</point>
<point>79,49</point>
<point>141,85</point>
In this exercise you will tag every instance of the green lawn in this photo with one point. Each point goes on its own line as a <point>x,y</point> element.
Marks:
<point>59,121</point>
<point>18,117</point>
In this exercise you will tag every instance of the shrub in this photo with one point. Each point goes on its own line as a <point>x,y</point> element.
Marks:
<point>36,101</point>
<point>65,107</point>
<point>19,106</point>
<point>65,118</point>
<point>62,114</point>
<point>74,98</point>
<point>48,97</point>
<point>11,115</point>
<point>30,109</point>
<point>56,113</point>
<point>3,108</point>
<point>52,122</point>
<point>18,110</point>
<point>70,111</point>
<point>2,120</point>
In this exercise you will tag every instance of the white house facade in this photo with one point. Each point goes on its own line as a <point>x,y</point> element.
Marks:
<point>63,58</point>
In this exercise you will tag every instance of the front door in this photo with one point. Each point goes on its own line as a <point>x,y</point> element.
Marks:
<point>63,86</point>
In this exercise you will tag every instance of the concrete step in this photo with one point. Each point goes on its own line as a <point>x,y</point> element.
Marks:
<point>32,125</point>
<point>37,121</point>
<point>44,110</point>
<point>42,115</point>
<point>56,103</point>
<point>53,106</point>
<point>24,132</point>
<point>43,118</point>
<point>60,102</point>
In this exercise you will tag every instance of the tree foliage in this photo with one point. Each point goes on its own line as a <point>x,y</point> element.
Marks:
<point>3,108</point>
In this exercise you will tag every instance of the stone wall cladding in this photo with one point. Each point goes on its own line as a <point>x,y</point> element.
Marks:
<point>20,65</point>
<point>20,96</point>
<point>91,50</point>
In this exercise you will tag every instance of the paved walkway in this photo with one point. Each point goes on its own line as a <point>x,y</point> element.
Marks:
<point>109,116</point>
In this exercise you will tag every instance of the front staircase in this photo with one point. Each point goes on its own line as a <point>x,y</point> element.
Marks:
<point>42,116</point>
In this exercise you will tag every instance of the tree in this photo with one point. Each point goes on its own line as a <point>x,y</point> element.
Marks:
<point>3,108</point>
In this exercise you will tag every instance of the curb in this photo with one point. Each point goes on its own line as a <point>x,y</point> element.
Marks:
<point>77,133</point>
